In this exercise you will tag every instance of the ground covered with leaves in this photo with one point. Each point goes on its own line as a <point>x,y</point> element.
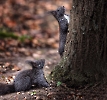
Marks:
<point>29,32</point>
<point>10,66</point>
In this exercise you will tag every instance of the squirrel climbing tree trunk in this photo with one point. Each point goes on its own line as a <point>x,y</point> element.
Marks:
<point>85,54</point>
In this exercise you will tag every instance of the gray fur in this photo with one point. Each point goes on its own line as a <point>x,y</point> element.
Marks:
<point>59,14</point>
<point>27,79</point>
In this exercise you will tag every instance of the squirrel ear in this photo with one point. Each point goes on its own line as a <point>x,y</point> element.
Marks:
<point>33,64</point>
<point>42,60</point>
<point>29,62</point>
<point>53,12</point>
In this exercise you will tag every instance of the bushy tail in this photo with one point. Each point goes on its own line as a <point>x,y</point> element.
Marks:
<point>6,88</point>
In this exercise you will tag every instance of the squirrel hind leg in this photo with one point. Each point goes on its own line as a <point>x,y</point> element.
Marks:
<point>23,84</point>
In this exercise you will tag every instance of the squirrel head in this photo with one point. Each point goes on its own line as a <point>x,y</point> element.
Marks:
<point>39,64</point>
<point>58,13</point>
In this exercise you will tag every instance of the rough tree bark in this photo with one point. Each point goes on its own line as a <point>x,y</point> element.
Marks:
<point>85,54</point>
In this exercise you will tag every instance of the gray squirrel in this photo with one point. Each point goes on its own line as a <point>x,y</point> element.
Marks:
<point>27,79</point>
<point>63,21</point>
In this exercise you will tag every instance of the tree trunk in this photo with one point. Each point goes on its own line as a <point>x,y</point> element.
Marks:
<point>85,54</point>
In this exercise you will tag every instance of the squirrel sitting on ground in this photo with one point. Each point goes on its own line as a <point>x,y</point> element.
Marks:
<point>27,79</point>
<point>63,21</point>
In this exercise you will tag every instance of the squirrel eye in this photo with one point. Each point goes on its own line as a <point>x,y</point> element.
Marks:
<point>57,10</point>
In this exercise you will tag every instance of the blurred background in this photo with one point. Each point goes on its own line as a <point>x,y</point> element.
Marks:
<point>28,32</point>
<point>27,23</point>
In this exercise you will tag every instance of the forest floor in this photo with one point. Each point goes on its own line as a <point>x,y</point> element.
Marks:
<point>11,65</point>
<point>31,23</point>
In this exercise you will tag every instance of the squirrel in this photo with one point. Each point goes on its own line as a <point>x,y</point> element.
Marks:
<point>63,21</point>
<point>27,79</point>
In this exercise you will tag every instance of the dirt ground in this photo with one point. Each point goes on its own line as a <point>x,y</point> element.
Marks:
<point>30,18</point>
<point>12,65</point>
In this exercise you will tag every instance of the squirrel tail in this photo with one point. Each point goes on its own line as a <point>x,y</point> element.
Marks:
<point>6,88</point>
